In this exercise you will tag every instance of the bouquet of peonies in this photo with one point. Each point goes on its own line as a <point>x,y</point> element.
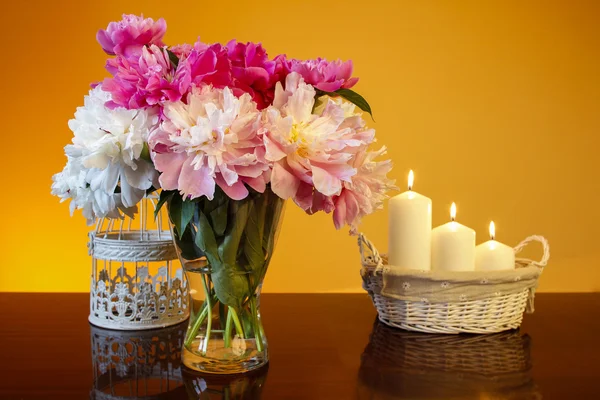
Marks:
<point>227,134</point>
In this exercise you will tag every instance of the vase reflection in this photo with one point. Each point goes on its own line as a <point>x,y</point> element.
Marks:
<point>247,386</point>
<point>397,364</point>
<point>147,365</point>
<point>137,364</point>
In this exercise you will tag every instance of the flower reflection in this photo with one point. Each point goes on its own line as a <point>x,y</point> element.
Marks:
<point>137,364</point>
<point>397,364</point>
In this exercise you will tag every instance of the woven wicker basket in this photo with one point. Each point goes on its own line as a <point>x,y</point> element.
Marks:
<point>488,315</point>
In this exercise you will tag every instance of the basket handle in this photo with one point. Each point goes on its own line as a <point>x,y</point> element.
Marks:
<point>368,253</point>
<point>535,238</point>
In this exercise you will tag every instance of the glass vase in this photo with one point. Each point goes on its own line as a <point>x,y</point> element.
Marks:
<point>225,251</point>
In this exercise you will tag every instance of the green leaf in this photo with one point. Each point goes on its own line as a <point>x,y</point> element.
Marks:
<point>173,58</point>
<point>151,190</point>
<point>205,240</point>
<point>164,197</point>
<point>349,95</point>
<point>253,245</point>
<point>233,234</point>
<point>272,222</point>
<point>231,285</point>
<point>218,217</point>
<point>355,99</point>
<point>181,213</point>
<point>175,213</point>
<point>187,212</point>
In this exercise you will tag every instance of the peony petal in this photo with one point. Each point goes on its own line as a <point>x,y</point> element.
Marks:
<point>283,183</point>
<point>105,42</point>
<point>325,182</point>
<point>237,191</point>
<point>339,214</point>
<point>352,207</point>
<point>141,178</point>
<point>344,70</point>
<point>304,196</point>
<point>130,196</point>
<point>281,96</point>
<point>170,165</point>
<point>195,182</point>
<point>300,104</point>
<point>349,83</point>
<point>329,86</point>
<point>259,184</point>
<point>274,151</point>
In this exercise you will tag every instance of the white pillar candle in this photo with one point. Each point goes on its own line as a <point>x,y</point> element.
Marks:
<point>493,255</point>
<point>409,240</point>
<point>453,246</point>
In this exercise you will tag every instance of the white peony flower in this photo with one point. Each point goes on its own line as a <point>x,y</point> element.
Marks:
<point>109,143</point>
<point>72,184</point>
<point>105,175</point>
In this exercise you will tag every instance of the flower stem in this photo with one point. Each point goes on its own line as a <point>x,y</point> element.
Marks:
<point>209,308</point>
<point>256,324</point>
<point>194,330</point>
<point>236,321</point>
<point>228,327</point>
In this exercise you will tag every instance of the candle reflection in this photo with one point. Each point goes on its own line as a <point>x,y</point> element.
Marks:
<point>397,364</point>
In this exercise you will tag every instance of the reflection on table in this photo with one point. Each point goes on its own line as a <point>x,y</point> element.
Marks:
<point>246,386</point>
<point>397,364</point>
<point>147,365</point>
<point>136,364</point>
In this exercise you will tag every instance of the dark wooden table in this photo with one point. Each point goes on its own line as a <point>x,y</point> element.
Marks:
<point>321,347</point>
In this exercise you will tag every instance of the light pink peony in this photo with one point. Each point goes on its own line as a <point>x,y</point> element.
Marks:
<point>366,192</point>
<point>320,157</point>
<point>143,81</point>
<point>310,150</point>
<point>211,139</point>
<point>128,36</point>
<point>327,76</point>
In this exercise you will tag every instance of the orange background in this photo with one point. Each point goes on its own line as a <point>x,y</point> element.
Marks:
<point>495,105</point>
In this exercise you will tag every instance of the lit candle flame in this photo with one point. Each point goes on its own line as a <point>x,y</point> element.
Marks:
<point>453,211</point>
<point>492,230</point>
<point>411,179</point>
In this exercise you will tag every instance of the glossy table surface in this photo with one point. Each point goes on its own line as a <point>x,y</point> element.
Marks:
<point>321,347</point>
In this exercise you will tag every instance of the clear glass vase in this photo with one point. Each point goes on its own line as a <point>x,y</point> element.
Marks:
<point>225,251</point>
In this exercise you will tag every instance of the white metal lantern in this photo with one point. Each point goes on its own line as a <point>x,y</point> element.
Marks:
<point>136,365</point>
<point>137,281</point>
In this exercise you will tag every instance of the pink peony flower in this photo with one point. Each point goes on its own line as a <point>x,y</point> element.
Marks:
<point>128,36</point>
<point>204,64</point>
<point>327,76</point>
<point>253,72</point>
<point>211,139</point>
<point>366,192</point>
<point>143,81</point>
<point>311,152</point>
